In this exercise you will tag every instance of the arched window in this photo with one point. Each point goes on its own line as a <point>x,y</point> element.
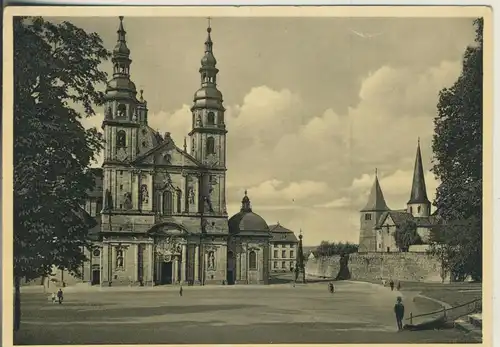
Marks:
<point>211,118</point>
<point>179,201</point>
<point>168,207</point>
<point>252,260</point>
<point>411,210</point>
<point>122,110</point>
<point>210,145</point>
<point>419,208</point>
<point>121,139</point>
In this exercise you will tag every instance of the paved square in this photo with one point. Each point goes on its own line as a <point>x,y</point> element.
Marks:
<point>356,313</point>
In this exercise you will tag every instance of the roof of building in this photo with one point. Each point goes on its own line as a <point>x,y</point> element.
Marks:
<point>376,200</point>
<point>418,190</point>
<point>281,234</point>
<point>246,222</point>
<point>399,218</point>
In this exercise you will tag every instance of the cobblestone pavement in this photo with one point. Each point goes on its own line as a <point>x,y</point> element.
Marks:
<point>355,313</point>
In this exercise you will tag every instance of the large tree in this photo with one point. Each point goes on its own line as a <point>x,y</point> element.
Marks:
<point>406,235</point>
<point>457,147</point>
<point>326,248</point>
<point>56,79</point>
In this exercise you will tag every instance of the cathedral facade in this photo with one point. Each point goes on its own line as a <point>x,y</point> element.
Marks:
<point>378,223</point>
<point>163,218</point>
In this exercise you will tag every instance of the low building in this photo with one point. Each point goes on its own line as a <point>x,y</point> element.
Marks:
<point>283,248</point>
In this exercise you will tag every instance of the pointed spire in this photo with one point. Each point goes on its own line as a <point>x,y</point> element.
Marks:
<point>208,96</point>
<point>245,203</point>
<point>418,189</point>
<point>376,200</point>
<point>208,42</point>
<point>121,45</point>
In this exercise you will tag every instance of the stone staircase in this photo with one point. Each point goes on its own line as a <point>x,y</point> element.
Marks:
<point>472,324</point>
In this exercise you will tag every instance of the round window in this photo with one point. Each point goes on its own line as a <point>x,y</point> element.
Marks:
<point>96,253</point>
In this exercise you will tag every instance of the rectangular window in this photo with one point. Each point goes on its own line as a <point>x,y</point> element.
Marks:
<point>368,216</point>
<point>283,265</point>
<point>283,254</point>
<point>275,265</point>
<point>291,254</point>
<point>275,253</point>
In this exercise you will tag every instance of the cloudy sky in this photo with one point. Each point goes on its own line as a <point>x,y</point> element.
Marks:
<point>314,105</point>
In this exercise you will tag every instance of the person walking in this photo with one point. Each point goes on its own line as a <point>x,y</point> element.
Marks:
<point>54,298</point>
<point>399,286</point>
<point>399,310</point>
<point>391,284</point>
<point>60,296</point>
<point>180,291</point>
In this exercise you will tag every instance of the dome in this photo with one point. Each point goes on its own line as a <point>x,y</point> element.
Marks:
<point>121,83</point>
<point>121,48</point>
<point>207,93</point>
<point>247,221</point>
<point>208,60</point>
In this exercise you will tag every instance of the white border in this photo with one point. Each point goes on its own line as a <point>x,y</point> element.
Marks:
<point>496,122</point>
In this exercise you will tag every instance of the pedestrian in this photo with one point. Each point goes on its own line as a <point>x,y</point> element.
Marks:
<point>180,291</point>
<point>399,310</point>
<point>53,298</point>
<point>60,296</point>
<point>399,286</point>
<point>391,284</point>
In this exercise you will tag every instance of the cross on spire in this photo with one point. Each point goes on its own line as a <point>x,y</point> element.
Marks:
<point>209,21</point>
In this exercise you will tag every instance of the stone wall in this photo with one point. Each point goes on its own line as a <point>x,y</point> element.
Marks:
<point>406,266</point>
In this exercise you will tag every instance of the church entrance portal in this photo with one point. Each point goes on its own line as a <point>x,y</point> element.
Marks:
<point>166,273</point>
<point>96,277</point>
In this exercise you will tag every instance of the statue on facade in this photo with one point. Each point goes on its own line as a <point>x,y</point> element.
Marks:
<point>211,260</point>
<point>144,194</point>
<point>208,203</point>
<point>119,258</point>
<point>127,204</point>
<point>108,114</point>
<point>191,195</point>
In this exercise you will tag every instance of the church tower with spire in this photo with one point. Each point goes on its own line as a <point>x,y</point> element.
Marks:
<point>370,215</point>
<point>418,205</point>
<point>208,132</point>
<point>123,113</point>
<point>123,117</point>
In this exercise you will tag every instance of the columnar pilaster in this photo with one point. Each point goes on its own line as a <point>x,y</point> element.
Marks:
<point>196,263</point>
<point>183,265</point>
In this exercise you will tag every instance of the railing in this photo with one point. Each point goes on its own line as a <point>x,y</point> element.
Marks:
<point>470,307</point>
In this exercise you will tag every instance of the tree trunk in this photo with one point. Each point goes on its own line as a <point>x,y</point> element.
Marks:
<point>17,303</point>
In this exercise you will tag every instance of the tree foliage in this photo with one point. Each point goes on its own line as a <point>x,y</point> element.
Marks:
<point>457,146</point>
<point>406,235</point>
<point>459,247</point>
<point>326,248</point>
<point>56,71</point>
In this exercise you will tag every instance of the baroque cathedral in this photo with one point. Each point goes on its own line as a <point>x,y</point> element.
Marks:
<point>161,209</point>
<point>378,223</point>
